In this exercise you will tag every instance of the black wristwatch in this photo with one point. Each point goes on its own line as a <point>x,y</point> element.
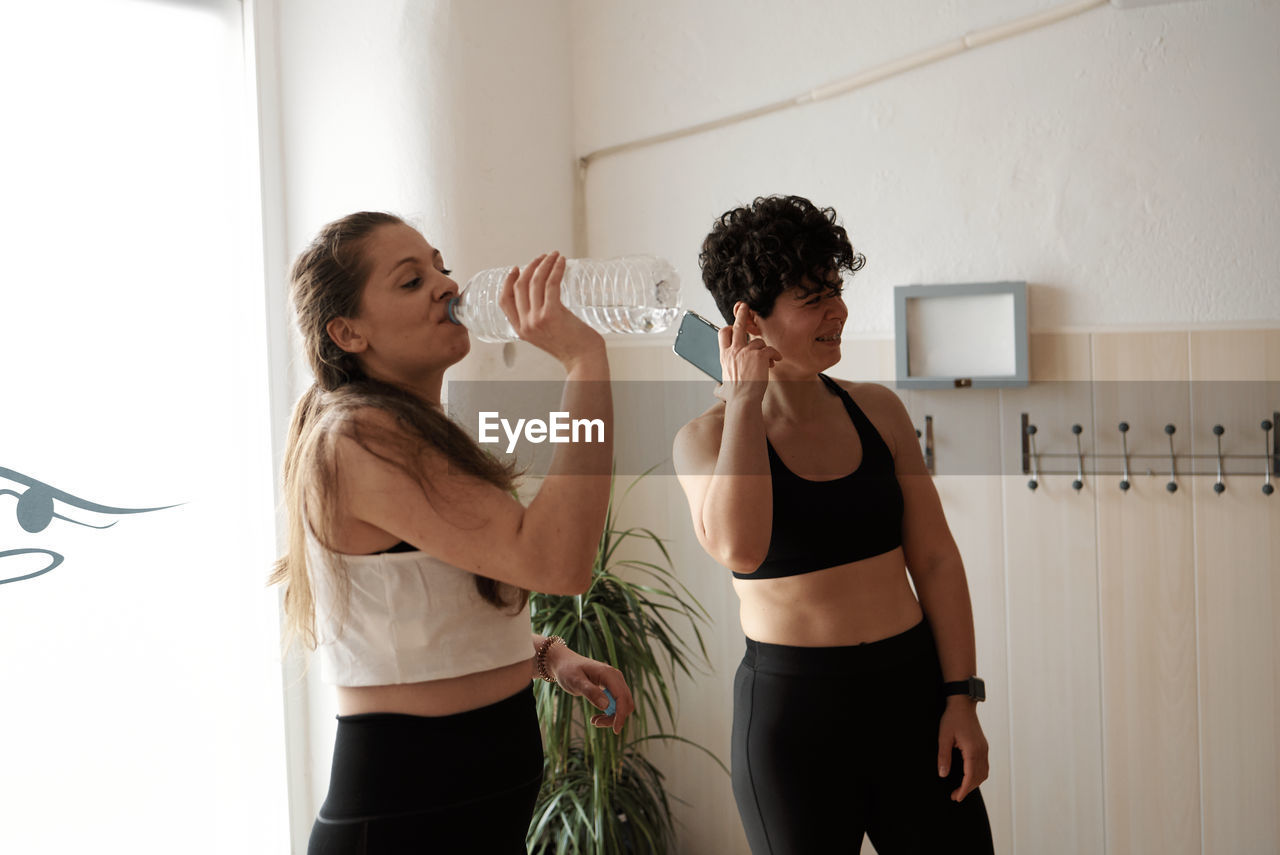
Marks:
<point>973,687</point>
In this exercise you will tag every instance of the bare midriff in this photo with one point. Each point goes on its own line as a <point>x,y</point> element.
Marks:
<point>438,697</point>
<point>866,600</point>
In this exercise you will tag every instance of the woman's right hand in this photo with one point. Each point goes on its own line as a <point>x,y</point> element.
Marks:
<point>531,301</point>
<point>744,361</point>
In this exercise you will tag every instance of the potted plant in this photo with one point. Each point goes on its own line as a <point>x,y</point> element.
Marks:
<point>600,795</point>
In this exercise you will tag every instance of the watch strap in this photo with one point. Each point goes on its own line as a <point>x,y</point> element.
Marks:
<point>973,687</point>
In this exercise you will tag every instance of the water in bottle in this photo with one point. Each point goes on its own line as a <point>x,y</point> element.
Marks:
<point>631,294</point>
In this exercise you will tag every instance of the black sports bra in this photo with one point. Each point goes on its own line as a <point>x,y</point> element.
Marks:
<point>821,524</point>
<point>402,546</point>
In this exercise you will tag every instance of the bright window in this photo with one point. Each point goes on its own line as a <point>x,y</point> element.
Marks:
<point>140,701</point>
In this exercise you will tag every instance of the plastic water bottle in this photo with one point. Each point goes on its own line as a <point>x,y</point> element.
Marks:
<point>631,294</point>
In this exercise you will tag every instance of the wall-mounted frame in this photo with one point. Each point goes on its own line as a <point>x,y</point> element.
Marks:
<point>971,335</point>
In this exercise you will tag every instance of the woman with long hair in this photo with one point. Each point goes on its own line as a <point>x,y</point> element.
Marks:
<point>855,703</point>
<point>409,560</point>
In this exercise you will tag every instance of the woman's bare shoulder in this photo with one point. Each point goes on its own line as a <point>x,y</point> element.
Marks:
<point>881,404</point>
<point>875,395</point>
<point>699,438</point>
<point>708,423</point>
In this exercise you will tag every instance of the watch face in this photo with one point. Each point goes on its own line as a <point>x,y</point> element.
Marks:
<point>977,689</point>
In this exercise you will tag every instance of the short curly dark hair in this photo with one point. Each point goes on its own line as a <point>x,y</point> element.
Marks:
<point>757,251</point>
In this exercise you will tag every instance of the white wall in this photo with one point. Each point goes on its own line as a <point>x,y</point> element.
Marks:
<point>1122,161</point>
<point>454,114</point>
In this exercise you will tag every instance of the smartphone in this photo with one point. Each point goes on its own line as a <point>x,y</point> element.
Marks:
<point>698,341</point>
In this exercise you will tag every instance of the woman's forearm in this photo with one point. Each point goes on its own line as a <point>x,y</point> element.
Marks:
<point>944,595</point>
<point>737,514</point>
<point>551,656</point>
<point>565,518</point>
<point>535,667</point>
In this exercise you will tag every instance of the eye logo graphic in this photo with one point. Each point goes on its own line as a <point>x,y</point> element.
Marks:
<point>36,510</point>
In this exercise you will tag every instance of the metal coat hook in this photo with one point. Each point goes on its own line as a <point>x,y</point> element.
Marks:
<point>928,443</point>
<point>1172,486</point>
<point>1079,482</point>
<point>1035,458</point>
<point>1124,446</point>
<point>1219,486</point>
<point>1270,455</point>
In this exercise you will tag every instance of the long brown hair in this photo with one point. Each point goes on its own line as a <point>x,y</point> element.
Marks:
<point>326,282</point>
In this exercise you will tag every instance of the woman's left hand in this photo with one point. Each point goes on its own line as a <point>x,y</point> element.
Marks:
<point>960,729</point>
<point>584,677</point>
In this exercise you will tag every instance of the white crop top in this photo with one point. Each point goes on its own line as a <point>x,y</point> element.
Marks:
<point>411,618</point>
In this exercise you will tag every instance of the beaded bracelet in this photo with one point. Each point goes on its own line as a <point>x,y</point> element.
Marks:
<point>542,657</point>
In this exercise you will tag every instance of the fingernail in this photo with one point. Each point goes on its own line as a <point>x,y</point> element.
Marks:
<point>942,771</point>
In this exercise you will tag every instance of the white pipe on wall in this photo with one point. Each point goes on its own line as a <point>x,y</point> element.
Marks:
<point>871,75</point>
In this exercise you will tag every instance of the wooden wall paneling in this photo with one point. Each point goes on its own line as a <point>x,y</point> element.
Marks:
<point>966,426</point>
<point>1147,602</point>
<point>1237,547</point>
<point>1050,548</point>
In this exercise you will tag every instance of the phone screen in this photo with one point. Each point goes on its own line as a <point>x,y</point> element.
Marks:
<point>698,341</point>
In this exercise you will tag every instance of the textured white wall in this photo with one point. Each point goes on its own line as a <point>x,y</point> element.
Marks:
<point>455,113</point>
<point>1122,161</point>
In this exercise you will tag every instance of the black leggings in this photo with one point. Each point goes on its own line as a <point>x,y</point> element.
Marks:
<point>448,784</point>
<point>830,743</point>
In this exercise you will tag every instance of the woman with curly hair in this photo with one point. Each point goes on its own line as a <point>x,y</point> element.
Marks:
<point>410,562</point>
<point>855,703</point>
